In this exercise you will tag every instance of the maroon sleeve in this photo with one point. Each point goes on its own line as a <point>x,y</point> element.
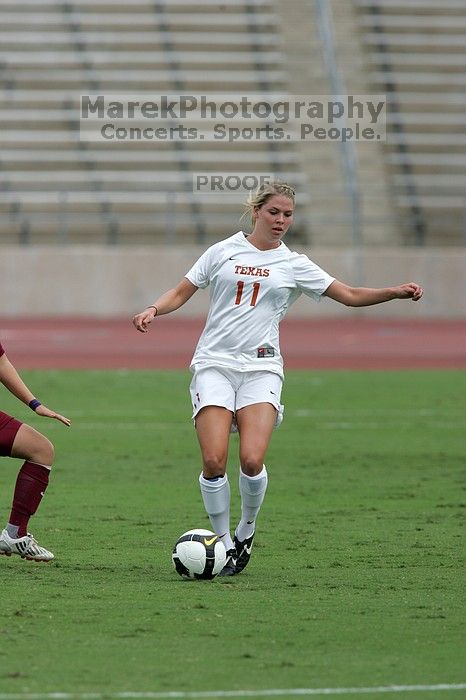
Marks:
<point>2,351</point>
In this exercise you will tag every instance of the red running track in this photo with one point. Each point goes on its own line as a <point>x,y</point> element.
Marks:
<point>350,343</point>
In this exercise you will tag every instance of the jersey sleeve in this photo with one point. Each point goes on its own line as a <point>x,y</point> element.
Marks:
<point>200,273</point>
<point>2,351</point>
<point>309,277</point>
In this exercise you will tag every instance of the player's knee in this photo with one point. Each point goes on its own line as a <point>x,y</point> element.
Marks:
<point>43,452</point>
<point>214,465</point>
<point>50,453</point>
<point>251,465</point>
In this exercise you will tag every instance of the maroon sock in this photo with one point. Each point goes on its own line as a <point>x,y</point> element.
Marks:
<point>30,486</point>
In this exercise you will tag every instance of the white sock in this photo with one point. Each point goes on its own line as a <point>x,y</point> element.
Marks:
<point>252,490</point>
<point>12,530</point>
<point>216,497</point>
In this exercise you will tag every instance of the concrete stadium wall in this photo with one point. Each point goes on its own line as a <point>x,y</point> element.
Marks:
<point>116,282</point>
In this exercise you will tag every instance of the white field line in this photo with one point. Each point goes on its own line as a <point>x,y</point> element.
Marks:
<point>272,692</point>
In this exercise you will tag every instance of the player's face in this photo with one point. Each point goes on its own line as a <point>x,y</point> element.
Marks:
<point>273,219</point>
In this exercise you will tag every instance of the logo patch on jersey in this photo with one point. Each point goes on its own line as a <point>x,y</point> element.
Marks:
<point>265,351</point>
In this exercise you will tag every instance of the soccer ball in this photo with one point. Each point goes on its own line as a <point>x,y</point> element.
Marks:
<point>199,554</point>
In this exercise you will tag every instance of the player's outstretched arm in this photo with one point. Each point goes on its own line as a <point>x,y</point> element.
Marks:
<point>10,378</point>
<point>367,296</point>
<point>168,302</point>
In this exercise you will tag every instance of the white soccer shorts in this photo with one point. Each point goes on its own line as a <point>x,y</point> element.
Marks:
<point>218,386</point>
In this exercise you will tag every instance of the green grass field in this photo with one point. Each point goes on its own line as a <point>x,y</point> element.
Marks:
<point>356,578</point>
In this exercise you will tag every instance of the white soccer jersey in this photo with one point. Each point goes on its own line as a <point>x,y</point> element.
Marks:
<point>250,292</point>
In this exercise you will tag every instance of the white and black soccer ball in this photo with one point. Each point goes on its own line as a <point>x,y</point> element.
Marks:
<point>199,554</point>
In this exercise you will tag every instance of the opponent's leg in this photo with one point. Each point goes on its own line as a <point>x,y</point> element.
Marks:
<point>31,484</point>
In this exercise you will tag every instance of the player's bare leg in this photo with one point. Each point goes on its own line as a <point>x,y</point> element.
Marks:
<point>213,425</point>
<point>31,484</point>
<point>255,425</point>
<point>31,445</point>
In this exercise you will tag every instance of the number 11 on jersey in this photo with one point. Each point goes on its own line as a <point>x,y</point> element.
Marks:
<point>239,292</point>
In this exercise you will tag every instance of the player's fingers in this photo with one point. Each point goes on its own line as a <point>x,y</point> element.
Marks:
<point>138,322</point>
<point>62,419</point>
<point>141,321</point>
<point>413,291</point>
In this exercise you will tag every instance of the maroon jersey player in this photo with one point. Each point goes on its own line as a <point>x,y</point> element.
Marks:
<point>20,440</point>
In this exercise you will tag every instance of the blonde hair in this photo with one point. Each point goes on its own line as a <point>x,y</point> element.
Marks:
<point>264,192</point>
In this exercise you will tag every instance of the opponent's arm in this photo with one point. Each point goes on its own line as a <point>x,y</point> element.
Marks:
<point>367,296</point>
<point>168,302</point>
<point>10,379</point>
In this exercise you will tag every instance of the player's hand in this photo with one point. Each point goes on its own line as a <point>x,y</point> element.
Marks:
<point>141,321</point>
<point>409,291</point>
<point>47,413</point>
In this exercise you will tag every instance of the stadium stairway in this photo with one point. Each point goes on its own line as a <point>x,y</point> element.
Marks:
<point>330,210</point>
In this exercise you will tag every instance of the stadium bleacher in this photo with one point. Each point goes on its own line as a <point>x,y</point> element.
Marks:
<point>55,187</point>
<point>416,52</point>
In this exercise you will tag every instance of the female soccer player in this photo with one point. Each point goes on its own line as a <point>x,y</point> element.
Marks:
<point>20,440</point>
<point>237,366</point>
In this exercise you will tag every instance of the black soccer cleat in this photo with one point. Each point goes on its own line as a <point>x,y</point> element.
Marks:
<point>243,552</point>
<point>230,567</point>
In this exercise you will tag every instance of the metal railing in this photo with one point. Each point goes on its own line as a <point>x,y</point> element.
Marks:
<point>347,150</point>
